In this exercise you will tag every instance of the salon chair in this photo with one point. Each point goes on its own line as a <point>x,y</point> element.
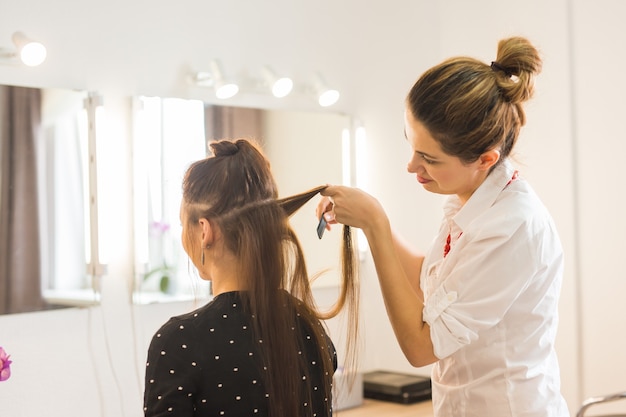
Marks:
<point>600,400</point>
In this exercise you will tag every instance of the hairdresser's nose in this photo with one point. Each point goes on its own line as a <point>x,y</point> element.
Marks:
<point>415,164</point>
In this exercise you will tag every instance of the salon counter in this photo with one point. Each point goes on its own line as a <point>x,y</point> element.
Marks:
<point>375,408</point>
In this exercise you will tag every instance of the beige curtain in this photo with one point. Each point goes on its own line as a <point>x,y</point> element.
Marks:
<point>224,122</point>
<point>20,275</point>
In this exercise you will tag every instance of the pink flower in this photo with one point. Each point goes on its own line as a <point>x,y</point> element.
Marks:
<point>158,229</point>
<point>5,365</point>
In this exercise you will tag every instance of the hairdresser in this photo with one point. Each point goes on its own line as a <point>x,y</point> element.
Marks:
<point>481,303</point>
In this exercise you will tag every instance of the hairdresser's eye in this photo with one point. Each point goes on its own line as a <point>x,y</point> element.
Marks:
<point>427,160</point>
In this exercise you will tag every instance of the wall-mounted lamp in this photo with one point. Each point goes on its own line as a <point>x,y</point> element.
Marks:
<point>280,86</point>
<point>30,52</point>
<point>213,78</point>
<point>325,96</point>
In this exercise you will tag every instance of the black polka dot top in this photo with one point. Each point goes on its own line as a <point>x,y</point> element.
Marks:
<point>206,363</point>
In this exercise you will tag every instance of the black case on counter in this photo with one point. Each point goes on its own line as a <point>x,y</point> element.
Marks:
<point>396,387</point>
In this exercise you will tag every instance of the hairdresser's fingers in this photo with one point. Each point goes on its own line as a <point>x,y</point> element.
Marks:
<point>325,208</point>
<point>331,190</point>
<point>324,205</point>
<point>353,206</point>
<point>329,216</point>
<point>338,197</point>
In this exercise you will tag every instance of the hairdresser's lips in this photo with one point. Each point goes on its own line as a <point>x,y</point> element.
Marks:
<point>423,180</point>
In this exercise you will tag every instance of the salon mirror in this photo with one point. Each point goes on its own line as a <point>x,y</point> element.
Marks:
<point>305,149</point>
<point>44,199</point>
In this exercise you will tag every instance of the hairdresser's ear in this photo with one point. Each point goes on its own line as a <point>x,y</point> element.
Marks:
<point>208,232</point>
<point>488,159</point>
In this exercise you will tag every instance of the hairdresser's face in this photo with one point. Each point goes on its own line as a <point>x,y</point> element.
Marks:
<point>434,169</point>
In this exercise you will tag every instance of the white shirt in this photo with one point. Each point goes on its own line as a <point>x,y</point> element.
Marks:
<point>491,304</point>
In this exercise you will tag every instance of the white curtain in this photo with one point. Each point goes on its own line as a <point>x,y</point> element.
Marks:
<point>62,166</point>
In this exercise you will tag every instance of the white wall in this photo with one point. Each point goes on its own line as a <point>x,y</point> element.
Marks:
<point>600,139</point>
<point>89,362</point>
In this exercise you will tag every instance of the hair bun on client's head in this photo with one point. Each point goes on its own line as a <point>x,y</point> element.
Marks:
<point>224,148</point>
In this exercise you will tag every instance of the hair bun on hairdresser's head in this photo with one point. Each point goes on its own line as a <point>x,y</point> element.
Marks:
<point>224,148</point>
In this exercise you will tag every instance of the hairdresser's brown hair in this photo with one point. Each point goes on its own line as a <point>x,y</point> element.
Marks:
<point>235,190</point>
<point>470,107</point>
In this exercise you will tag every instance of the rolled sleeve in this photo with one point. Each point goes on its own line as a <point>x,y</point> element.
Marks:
<point>447,333</point>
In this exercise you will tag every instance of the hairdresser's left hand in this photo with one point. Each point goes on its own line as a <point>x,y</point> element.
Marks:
<point>351,206</point>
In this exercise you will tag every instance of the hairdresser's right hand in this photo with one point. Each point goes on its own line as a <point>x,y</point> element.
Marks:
<point>351,206</point>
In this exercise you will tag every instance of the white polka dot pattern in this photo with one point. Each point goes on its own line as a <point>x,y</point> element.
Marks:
<point>204,363</point>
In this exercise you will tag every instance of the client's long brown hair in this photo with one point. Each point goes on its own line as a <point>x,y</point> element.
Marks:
<point>236,190</point>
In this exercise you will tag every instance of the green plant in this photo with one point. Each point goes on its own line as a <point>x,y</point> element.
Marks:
<point>164,280</point>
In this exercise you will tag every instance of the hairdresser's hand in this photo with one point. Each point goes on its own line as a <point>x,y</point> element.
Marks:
<point>350,206</point>
<point>325,206</point>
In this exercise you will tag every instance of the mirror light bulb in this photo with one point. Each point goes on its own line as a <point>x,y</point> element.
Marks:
<point>226,90</point>
<point>33,54</point>
<point>328,98</point>
<point>282,87</point>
